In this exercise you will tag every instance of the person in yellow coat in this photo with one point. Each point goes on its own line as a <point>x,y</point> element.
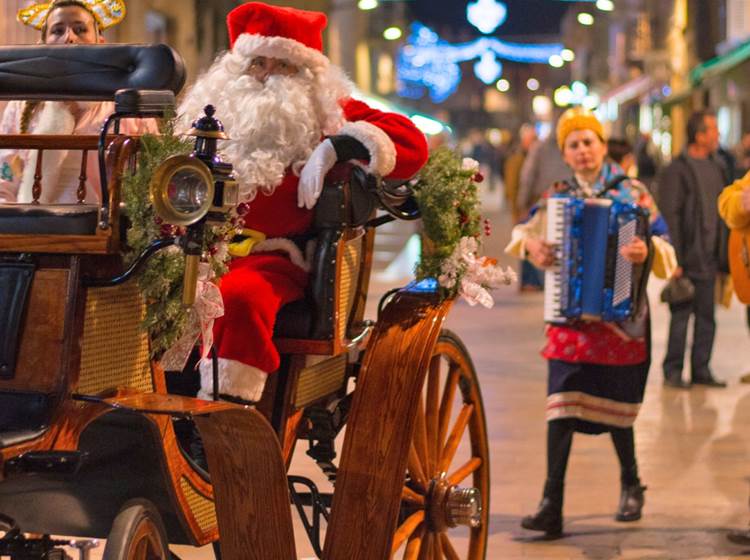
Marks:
<point>734,204</point>
<point>734,209</point>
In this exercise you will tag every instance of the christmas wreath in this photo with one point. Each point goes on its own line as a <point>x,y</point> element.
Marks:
<point>161,279</point>
<point>447,194</point>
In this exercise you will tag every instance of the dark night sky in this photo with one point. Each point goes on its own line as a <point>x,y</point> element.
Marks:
<point>525,17</point>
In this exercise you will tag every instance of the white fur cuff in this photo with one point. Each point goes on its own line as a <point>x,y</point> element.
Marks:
<point>381,147</point>
<point>235,379</point>
<point>287,246</point>
<point>250,45</point>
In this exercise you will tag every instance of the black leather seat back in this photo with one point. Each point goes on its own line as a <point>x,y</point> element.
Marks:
<point>87,72</point>
<point>347,201</point>
<point>35,219</point>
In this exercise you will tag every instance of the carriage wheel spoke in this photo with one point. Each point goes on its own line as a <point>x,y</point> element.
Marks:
<point>427,542</point>
<point>406,530</point>
<point>409,495</point>
<point>468,468</point>
<point>414,544</point>
<point>432,411</point>
<point>448,550</point>
<point>437,548</point>
<point>449,451</point>
<point>415,469</point>
<point>420,438</point>
<point>446,404</point>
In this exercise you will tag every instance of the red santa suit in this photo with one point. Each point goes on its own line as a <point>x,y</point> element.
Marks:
<point>257,286</point>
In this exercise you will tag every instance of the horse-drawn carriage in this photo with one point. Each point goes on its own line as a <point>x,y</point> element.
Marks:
<point>88,445</point>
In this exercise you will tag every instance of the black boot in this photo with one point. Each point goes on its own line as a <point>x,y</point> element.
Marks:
<point>631,502</point>
<point>548,517</point>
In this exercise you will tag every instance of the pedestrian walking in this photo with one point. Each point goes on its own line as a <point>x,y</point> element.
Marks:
<point>596,370</point>
<point>688,190</point>
<point>513,164</point>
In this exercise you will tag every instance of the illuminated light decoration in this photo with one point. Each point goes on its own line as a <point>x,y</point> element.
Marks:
<point>568,55</point>
<point>576,94</point>
<point>556,61</point>
<point>429,64</point>
<point>488,69</point>
<point>503,85</point>
<point>585,18</point>
<point>486,15</point>
<point>427,125</point>
<point>563,96</point>
<point>392,33</point>
<point>605,5</point>
<point>367,4</point>
<point>612,110</point>
<point>579,89</point>
<point>541,105</point>
<point>590,102</point>
<point>532,84</point>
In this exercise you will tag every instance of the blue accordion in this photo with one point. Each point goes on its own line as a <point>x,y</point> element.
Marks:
<point>591,279</point>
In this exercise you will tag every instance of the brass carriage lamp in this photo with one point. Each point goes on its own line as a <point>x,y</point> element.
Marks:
<point>190,190</point>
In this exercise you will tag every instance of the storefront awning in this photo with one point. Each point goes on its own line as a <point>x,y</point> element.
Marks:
<point>633,89</point>
<point>720,64</point>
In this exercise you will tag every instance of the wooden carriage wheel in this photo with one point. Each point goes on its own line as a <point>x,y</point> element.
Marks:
<point>137,534</point>
<point>445,502</point>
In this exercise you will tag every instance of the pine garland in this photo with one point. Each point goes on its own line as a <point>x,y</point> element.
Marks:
<point>448,198</point>
<point>161,279</point>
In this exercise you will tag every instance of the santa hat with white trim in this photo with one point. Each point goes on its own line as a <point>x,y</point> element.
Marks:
<point>257,29</point>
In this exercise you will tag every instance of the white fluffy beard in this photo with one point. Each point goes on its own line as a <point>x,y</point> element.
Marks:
<point>272,126</point>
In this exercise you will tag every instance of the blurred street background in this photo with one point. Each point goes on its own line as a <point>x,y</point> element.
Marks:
<point>489,78</point>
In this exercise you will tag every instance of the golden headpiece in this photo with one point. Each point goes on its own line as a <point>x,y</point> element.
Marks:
<point>577,118</point>
<point>107,13</point>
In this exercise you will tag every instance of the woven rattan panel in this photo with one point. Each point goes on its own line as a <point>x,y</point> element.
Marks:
<point>115,350</point>
<point>203,509</point>
<point>348,281</point>
<point>319,380</point>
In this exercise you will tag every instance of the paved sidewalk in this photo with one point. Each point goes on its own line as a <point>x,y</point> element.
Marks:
<point>693,446</point>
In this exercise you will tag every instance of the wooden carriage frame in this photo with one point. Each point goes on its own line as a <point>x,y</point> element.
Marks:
<point>92,390</point>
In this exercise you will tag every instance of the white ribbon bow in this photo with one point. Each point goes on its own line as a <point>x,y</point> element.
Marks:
<point>208,307</point>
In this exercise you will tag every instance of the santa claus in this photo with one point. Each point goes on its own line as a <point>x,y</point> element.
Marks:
<point>290,118</point>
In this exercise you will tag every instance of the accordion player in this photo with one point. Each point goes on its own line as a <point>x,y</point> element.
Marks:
<point>591,279</point>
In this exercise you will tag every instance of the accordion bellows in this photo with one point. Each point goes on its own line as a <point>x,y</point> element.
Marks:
<point>591,279</point>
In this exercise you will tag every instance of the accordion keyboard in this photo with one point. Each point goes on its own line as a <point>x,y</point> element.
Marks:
<point>553,276</point>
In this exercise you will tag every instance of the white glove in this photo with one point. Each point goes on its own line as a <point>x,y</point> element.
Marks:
<point>313,173</point>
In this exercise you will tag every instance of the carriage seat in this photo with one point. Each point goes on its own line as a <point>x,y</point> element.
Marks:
<point>87,72</point>
<point>347,201</point>
<point>57,219</point>
<point>23,416</point>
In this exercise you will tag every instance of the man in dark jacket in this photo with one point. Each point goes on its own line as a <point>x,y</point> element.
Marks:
<point>688,190</point>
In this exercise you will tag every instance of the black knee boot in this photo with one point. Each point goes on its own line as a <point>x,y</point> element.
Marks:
<point>631,495</point>
<point>548,517</point>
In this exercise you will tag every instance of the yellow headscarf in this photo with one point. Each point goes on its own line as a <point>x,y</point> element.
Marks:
<point>577,118</point>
